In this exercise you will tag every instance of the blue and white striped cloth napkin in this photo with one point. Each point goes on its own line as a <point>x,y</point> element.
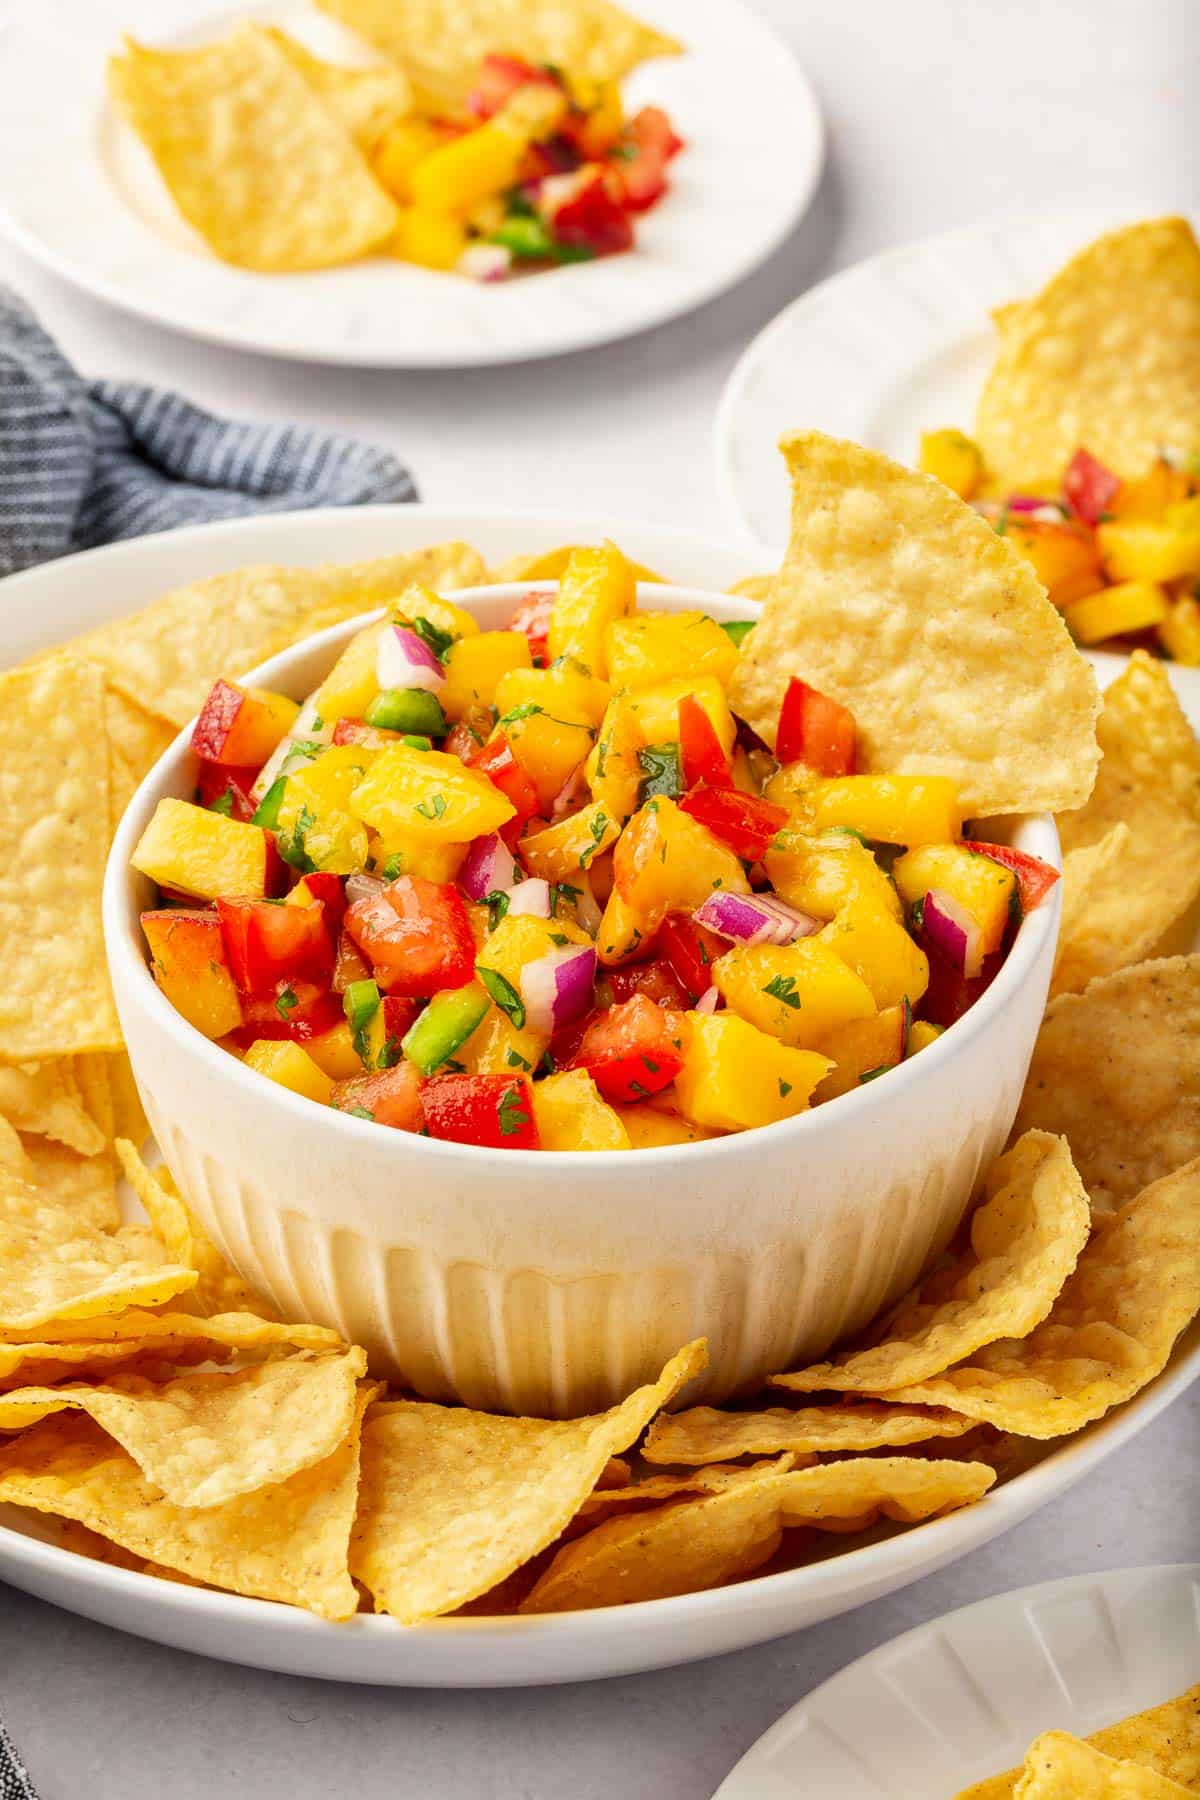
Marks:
<point>87,462</point>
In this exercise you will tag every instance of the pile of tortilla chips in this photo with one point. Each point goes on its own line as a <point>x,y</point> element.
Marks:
<point>1150,1756</point>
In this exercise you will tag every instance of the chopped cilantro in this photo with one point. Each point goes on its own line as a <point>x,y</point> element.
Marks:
<point>785,1088</point>
<point>562,893</point>
<point>433,808</point>
<point>291,843</point>
<point>392,866</point>
<point>871,1074</point>
<point>783,987</point>
<point>598,827</point>
<point>639,1091</point>
<point>286,1002</point>
<point>389,1056</point>
<point>512,1113</point>
<point>505,995</point>
<point>223,804</point>
<point>527,711</point>
<point>557,937</point>
<point>497,905</point>
<point>648,1063</point>
<point>917,915</point>
<point>439,641</point>
<point>360,1112</point>
<point>906,1028</point>
<point>738,630</point>
<point>515,1060</point>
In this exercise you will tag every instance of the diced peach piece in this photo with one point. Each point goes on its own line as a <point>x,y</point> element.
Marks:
<point>190,966</point>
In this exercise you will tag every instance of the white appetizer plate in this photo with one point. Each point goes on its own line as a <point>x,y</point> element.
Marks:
<point>78,192</point>
<point>964,1696</point>
<point>45,605</point>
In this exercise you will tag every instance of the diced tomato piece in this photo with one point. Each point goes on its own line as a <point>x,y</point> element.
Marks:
<point>591,219</point>
<point>349,965</point>
<point>1034,877</point>
<point>951,993</point>
<point>656,979</point>
<point>497,762</point>
<point>498,80</point>
<point>1090,488</point>
<point>293,1008</point>
<point>690,951</point>
<point>647,143</point>
<point>192,969</point>
<point>493,1110</point>
<point>464,740</point>
<point>815,730</point>
<point>392,1097</point>
<point>533,618</point>
<point>741,821</point>
<point>700,747</point>
<point>267,943</point>
<point>227,790</point>
<point>357,731</point>
<point>551,156</point>
<point>633,1050</point>
<point>416,934</point>
<point>399,1012</point>
<point>328,889</point>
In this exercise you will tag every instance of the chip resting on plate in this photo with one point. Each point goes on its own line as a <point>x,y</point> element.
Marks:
<point>1107,356</point>
<point>44,1098</point>
<point>1166,1739</point>
<point>168,654</point>
<point>607,1503</point>
<point>1026,1238</point>
<point>705,1434</point>
<point>83,1349</point>
<point>254,159</point>
<point>1084,873</point>
<point>453,1501</point>
<point>1061,1767</point>
<point>1116,1070</point>
<point>1111,1330</point>
<point>84,1186</point>
<point>219,1288</point>
<point>899,601</point>
<point>55,998</point>
<point>366,100</point>
<point>698,1544</point>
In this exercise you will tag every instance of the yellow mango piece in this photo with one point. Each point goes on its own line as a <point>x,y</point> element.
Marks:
<point>983,887</point>
<point>614,773</point>
<point>648,648</point>
<point>316,813</point>
<point>202,852</point>
<point>656,709</point>
<point>406,144</point>
<point>417,602</point>
<point>956,460</point>
<point>735,1076</point>
<point>566,691</point>
<point>459,174</point>
<point>334,1052</point>
<point>408,853</point>
<point>563,849</point>
<point>1148,496</point>
<point>290,1066</point>
<point>432,240</point>
<point>649,1127</point>
<point>476,667</point>
<point>797,992</point>
<point>862,1050</point>
<point>428,794</point>
<point>922,1033</point>
<point>1180,631</point>
<point>571,1115</point>
<point>621,931</point>
<point>597,587</point>
<point>551,565</point>
<point>496,1047</point>
<point>819,875</point>
<point>519,939</point>
<point>549,750</point>
<point>1129,606</point>
<point>891,809</point>
<point>1140,550</point>
<point>878,949</point>
<point>666,861</point>
<point>350,685</point>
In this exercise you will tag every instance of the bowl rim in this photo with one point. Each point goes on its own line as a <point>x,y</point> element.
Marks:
<point>130,973</point>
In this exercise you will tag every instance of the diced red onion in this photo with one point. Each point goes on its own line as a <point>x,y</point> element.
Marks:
<point>485,262</point>
<point>363,887</point>
<point>588,910</point>
<point>754,919</point>
<point>953,931</point>
<point>707,1003</point>
<point>531,897</point>
<point>557,988</point>
<point>1030,503</point>
<point>404,660</point>
<point>488,865</point>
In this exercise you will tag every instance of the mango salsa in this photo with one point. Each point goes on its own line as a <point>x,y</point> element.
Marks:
<point>201,852</point>
<point>878,948</point>
<point>735,1077</point>
<point>429,794</point>
<point>597,587</point>
<point>571,1115</point>
<point>889,809</point>
<point>292,1067</point>
<point>983,887</point>
<point>952,458</point>
<point>478,666</point>
<point>798,993</point>
<point>646,649</point>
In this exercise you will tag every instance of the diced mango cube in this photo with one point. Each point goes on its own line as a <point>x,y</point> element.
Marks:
<point>519,938</point>
<point>891,809</point>
<point>551,565</point>
<point>621,932</point>
<point>571,1115</point>
<point>566,691</point>
<point>350,685</point>
<point>797,992</point>
<point>403,146</point>
<point>1180,631</point>
<point>496,1047</point>
<point>862,1050</point>
<point>735,1076</point>
<point>666,861</point>
<point>982,886</point>
<point>432,240</point>
<point>656,709</point>
<point>649,648</point>
<point>819,875</point>
<point>1148,496</point>
<point>613,771</point>
<point>1144,551</point>
<point>1128,606</point>
<point>880,950</point>
<point>334,1052</point>
<point>316,815</point>
<point>1065,557</point>
<point>429,794</point>
<point>202,852</point>
<point>954,458</point>
<point>549,750</point>
<point>476,666</point>
<point>292,1067</point>
<point>573,844</point>
<point>417,602</point>
<point>649,1127</point>
<point>409,853</point>
<point>922,1033</point>
<point>597,587</point>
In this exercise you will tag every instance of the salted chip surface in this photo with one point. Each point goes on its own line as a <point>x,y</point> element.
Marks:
<point>55,997</point>
<point>1085,871</point>
<point>1026,1238</point>
<point>1166,1739</point>
<point>168,655</point>
<point>606,1503</point>
<point>1116,1070</point>
<point>1107,356</point>
<point>453,1501</point>
<point>1061,1767</point>
<point>705,1434</point>
<point>442,42</point>
<point>44,1099</point>
<point>219,1288</point>
<point>253,158</point>
<point>136,740</point>
<point>1111,1330</point>
<point>284,1542</point>
<point>84,1186</point>
<point>898,599</point>
<point>1149,781</point>
<point>697,1544</point>
<point>365,100</point>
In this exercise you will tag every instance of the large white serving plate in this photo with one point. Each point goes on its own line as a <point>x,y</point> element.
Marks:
<point>964,1696</point>
<point>80,195</point>
<point>45,605</point>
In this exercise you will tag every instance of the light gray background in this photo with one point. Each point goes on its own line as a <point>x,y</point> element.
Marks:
<point>940,112</point>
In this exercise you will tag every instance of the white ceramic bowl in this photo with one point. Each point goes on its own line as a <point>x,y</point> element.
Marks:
<point>552,1283</point>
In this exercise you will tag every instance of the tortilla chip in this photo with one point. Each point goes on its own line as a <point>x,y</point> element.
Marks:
<point>204,1439</point>
<point>171,652</point>
<point>14,1158</point>
<point>136,740</point>
<point>1167,1739</point>
<point>1149,781</point>
<point>1026,1238</point>
<point>442,42</point>
<point>1107,356</point>
<point>654,1489</point>
<point>219,1289</point>
<point>254,160</point>
<point>129,1117</point>
<point>899,600</point>
<point>548,565</point>
<point>284,1542</point>
<point>1061,1767</point>
<point>366,101</point>
<point>753,587</point>
<point>1116,1070</point>
<point>1084,872</point>
<point>453,1501</point>
<point>704,1434</point>
<point>44,1098</point>
<point>83,1186</point>
<point>55,997</point>
<point>1111,1330</point>
<point>698,1544</point>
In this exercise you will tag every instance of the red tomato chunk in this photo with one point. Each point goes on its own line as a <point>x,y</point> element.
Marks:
<point>495,1111</point>
<point>416,935</point>
<point>293,1008</point>
<point>742,822</point>
<point>816,730</point>
<point>700,747</point>
<point>267,943</point>
<point>393,1097</point>
<point>633,1050</point>
<point>227,790</point>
